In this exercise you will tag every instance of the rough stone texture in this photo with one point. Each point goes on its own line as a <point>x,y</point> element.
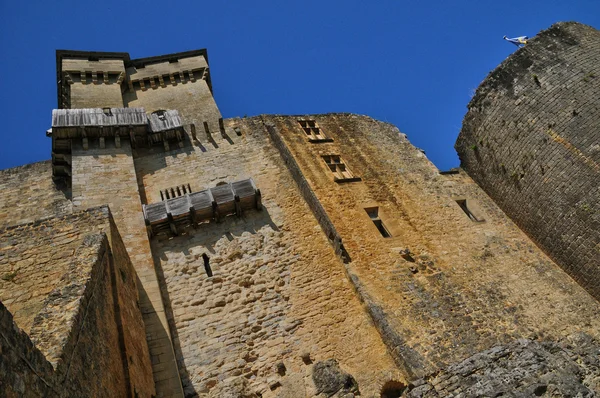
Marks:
<point>193,100</point>
<point>107,176</point>
<point>87,327</point>
<point>29,194</point>
<point>278,291</point>
<point>91,95</point>
<point>33,257</point>
<point>331,380</point>
<point>25,372</point>
<point>523,368</point>
<point>530,140</point>
<point>309,278</point>
<point>465,286</point>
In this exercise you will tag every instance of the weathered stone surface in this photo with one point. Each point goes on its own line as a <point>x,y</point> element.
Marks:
<point>86,326</point>
<point>331,380</point>
<point>28,194</point>
<point>363,254</point>
<point>523,368</point>
<point>277,290</point>
<point>473,284</point>
<point>530,140</point>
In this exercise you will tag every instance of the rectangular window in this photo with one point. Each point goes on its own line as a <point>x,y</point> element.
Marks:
<point>341,172</point>
<point>313,131</point>
<point>463,205</point>
<point>373,213</point>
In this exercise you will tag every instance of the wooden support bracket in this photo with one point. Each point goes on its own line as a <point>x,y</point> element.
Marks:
<point>238,206</point>
<point>215,208</point>
<point>207,130</point>
<point>258,199</point>
<point>132,137</point>
<point>222,127</point>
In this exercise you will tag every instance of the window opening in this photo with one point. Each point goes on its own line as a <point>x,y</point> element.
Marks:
<point>373,213</point>
<point>207,264</point>
<point>312,130</point>
<point>338,168</point>
<point>463,205</point>
<point>174,192</point>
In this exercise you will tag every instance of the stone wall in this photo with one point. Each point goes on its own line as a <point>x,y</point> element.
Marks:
<point>443,286</point>
<point>278,298</point>
<point>24,369</point>
<point>527,368</point>
<point>88,327</point>
<point>92,95</point>
<point>104,92</point>
<point>193,100</point>
<point>29,194</point>
<point>107,176</point>
<point>530,140</point>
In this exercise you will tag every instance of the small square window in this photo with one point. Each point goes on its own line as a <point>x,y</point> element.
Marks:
<point>341,172</point>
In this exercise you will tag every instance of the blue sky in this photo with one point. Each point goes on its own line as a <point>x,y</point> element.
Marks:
<point>414,64</point>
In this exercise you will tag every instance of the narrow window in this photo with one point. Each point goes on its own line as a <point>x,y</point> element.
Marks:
<point>171,193</point>
<point>373,213</point>
<point>463,205</point>
<point>340,171</point>
<point>207,264</point>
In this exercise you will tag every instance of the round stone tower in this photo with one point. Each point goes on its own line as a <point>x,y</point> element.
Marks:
<point>531,140</point>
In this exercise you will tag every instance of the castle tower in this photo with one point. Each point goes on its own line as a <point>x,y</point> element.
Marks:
<point>296,256</point>
<point>94,138</point>
<point>530,140</point>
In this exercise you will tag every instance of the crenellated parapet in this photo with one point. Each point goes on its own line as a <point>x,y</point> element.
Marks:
<point>172,69</point>
<point>86,69</point>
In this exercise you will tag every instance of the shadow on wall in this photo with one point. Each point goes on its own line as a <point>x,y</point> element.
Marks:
<point>150,160</point>
<point>205,236</point>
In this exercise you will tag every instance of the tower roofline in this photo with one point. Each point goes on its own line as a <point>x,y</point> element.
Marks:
<point>127,61</point>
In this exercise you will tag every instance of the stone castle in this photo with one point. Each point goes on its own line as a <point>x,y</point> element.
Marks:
<point>164,251</point>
